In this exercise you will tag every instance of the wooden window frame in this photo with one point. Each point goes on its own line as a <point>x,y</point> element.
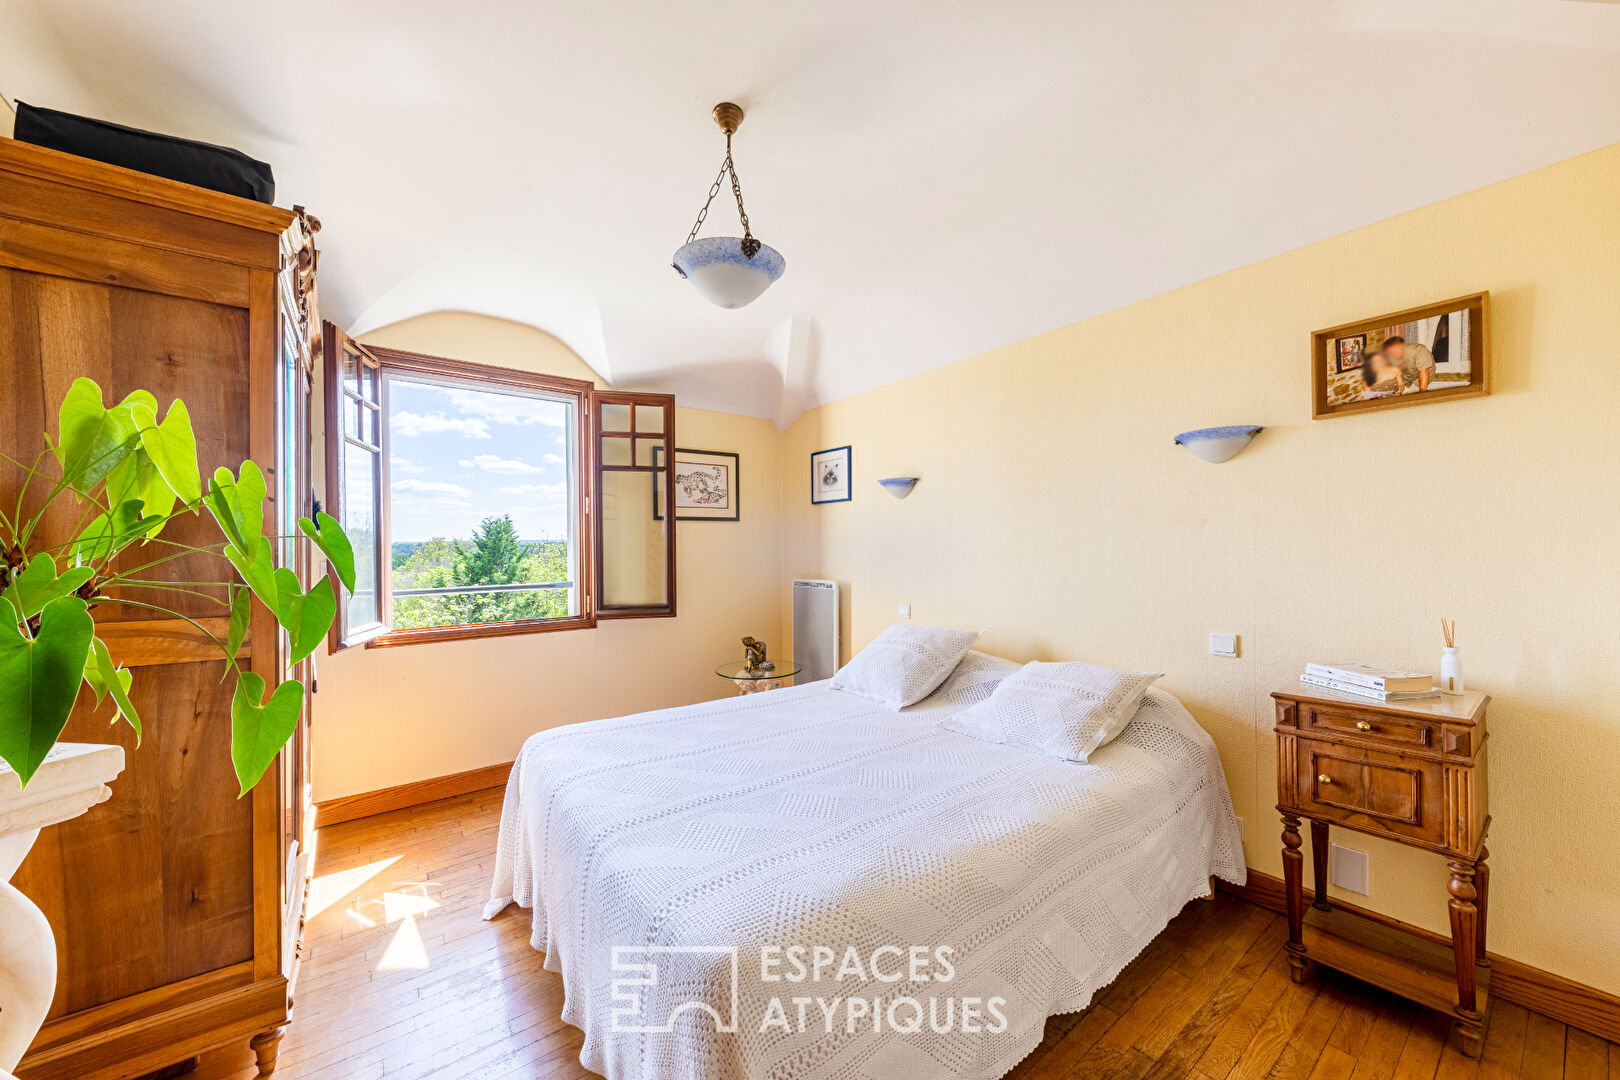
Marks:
<point>666,402</point>
<point>401,362</point>
<point>334,342</point>
<point>587,401</point>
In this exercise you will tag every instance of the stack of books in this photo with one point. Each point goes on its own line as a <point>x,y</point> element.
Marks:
<point>1370,682</point>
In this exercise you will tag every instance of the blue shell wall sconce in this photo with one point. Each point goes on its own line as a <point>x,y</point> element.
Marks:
<point>1218,444</point>
<point>899,486</point>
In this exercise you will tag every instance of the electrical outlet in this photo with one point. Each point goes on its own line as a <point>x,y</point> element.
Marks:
<point>1223,645</point>
<point>904,611</point>
<point>1349,869</point>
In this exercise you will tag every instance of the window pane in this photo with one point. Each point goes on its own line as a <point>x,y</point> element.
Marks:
<point>646,448</point>
<point>615,451</point>
<point>634,570</point>
<point>649,420</point>
<point>483,492</point>
<point>351,372</point>
<point>615,417</point>
<point>359,486</point>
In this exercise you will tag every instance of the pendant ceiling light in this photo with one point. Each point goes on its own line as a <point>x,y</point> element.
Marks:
<point>730,271</point>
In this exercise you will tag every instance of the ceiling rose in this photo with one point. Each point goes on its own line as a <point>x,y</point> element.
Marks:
<point>728,271</point>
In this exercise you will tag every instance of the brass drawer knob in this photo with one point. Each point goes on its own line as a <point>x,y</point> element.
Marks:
<point>1324,778</point>
<point>1362,725</point>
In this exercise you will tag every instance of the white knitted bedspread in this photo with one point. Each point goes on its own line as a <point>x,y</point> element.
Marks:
<point>808,816</point>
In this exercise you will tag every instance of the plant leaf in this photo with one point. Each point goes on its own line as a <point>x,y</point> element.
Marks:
<point>108,534</point>
<point>172,447</point>
<point>259,729</point>
<point>137,478</point>
<point>91,439</point>
<point>305,616</point>
<point>334,544</point>
<point>241,610</point>
<point>258,570</point>
<point>237,503</point>
<point>38,585</point>
<point>39,678</point>
<point>115,680</point>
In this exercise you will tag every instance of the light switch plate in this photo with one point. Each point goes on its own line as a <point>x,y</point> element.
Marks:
<point>1223,644</point>
<point>1349,869</point>
<point>904,611</point>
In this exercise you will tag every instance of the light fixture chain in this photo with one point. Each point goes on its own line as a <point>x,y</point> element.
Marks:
<point>714,189</point>
<point>750,246</point>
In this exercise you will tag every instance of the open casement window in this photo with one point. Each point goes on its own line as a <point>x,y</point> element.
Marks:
<point>485,501</point>
<point>355,478</point>
<point>634,436</point>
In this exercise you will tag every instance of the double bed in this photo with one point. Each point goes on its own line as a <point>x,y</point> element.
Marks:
<point>683,866</point>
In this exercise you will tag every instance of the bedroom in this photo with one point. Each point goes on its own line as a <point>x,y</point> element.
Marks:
<point>1014,263</point>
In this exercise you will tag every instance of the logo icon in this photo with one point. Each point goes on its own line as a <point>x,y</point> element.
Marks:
<point>636,970</point>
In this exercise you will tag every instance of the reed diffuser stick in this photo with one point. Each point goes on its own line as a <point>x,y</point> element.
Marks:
<point>1448,628</point>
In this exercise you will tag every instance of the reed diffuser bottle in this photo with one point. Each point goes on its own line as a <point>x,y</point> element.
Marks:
<point>1451,680</point>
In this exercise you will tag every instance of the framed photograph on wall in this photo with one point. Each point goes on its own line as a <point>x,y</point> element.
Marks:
<point>1436,353</point>
<point>829,476</point>
<point>706,485</point>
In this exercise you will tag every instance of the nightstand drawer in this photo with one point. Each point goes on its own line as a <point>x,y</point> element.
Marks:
<point>1369,727</point>
<point>1371,789</point>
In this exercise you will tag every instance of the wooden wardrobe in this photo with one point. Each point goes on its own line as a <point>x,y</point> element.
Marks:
<point>176,905</point>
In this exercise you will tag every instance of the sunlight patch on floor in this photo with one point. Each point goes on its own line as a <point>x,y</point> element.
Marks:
<point>406,952</point>
<point>328,889</point>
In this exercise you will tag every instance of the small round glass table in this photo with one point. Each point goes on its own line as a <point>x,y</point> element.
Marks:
<point>752,680</point>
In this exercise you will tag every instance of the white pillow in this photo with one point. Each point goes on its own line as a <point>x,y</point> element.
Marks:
<point>904,664</point>
<point>1063,710</point>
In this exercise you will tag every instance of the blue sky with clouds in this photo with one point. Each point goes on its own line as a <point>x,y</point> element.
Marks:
<point>459,455</point>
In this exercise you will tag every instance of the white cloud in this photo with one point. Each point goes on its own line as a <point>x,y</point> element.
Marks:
<point>401,465</point>
<point>552,459</point>
<point>409,424</point>
<point>536,489</point>
<point>432,487</point>
<point>492,463</point>
<point>505,408</point>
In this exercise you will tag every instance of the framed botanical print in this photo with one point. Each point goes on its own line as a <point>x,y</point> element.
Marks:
<point>706,485</point>
<point>1413,357</point>
<point>829,476</point>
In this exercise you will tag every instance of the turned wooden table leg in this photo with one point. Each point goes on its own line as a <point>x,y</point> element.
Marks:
<point>266,1045</point>
<point>1465,944</point>
<point>1319,863</point>
<point>1294,895</point>
<point>1482,885</point>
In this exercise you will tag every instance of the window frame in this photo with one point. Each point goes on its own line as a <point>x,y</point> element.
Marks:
<point>588,434</point>
<point>334,343</point>
<point>401,362</point>
<point>635,401</point>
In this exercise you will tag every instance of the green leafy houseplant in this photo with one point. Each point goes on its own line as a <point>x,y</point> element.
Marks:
<point>129,474</point>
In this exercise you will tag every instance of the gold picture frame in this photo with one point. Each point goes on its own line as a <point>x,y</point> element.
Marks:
<point>1438,352</point>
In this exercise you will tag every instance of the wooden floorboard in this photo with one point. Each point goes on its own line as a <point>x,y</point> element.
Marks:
<point>403,980</point>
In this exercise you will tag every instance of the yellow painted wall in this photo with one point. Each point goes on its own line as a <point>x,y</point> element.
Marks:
<point>1055,510</point>
<point>391,716</point>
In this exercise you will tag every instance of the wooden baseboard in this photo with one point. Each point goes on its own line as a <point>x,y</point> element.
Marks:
<point>1552,995</point>
<point>367,803</point>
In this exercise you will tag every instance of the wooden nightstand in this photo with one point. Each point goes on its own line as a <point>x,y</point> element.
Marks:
<point>1412,772</point>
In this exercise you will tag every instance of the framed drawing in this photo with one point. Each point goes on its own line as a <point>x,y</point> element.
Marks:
<point>829,476</point>
<point>706,485</point>
<point>1436,353</point>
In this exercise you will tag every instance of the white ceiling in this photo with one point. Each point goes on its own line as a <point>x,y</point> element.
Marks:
<point>942,177</point>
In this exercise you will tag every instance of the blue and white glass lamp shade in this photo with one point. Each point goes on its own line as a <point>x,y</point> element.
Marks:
<point>718,269</point>
<point>899,486</point>
<point>1218,444</point>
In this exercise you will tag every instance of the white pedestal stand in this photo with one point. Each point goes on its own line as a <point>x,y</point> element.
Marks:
<point>72,780</point>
